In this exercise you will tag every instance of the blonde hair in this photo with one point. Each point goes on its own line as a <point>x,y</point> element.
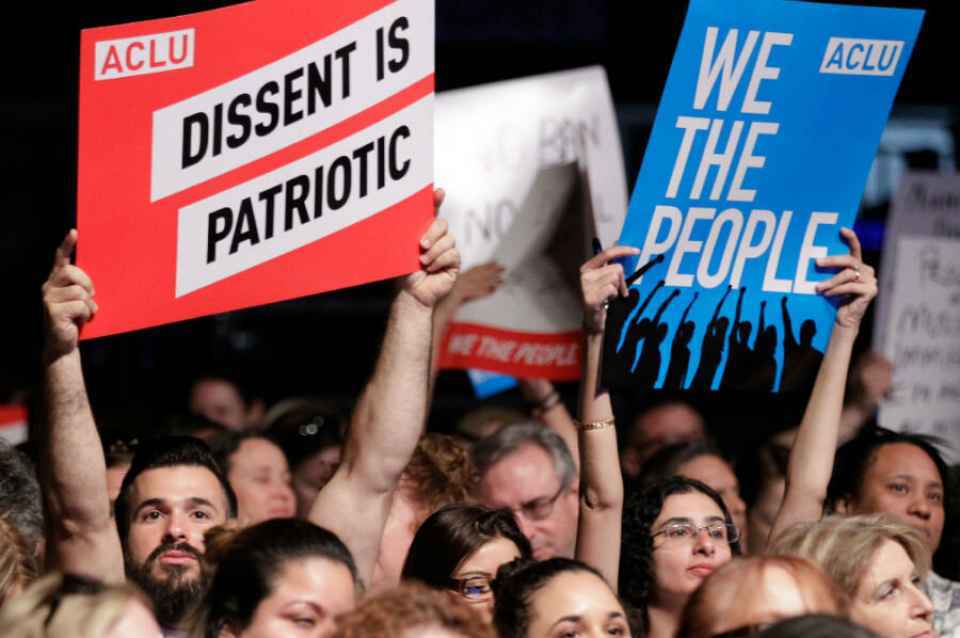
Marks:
<point>48,610</point>
<point>734,587</point>
<point>844,546</point>
<point>17,565</point>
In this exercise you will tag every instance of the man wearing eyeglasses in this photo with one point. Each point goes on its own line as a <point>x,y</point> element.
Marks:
<point>529,469</point>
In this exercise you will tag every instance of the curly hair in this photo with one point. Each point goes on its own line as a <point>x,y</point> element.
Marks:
<point>636,555</point>
<point>439,473</point>
<point>18,567</point>
<point>411,606</point>
<point>20,499</point>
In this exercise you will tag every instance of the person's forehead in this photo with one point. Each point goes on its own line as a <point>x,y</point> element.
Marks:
<point>709,469</point>
<point>178,484</point>
<point>526,473</point>
<point>890,560</point>
<point>314,578</point>
<point>577,593</point>
<point>258,451</point>
<point>696,506</point>
<point>906,459</point>
<point>671,419</point>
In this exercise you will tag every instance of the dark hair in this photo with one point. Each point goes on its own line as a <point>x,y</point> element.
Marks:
<point>855,457</point>
<point>516,584</point>
<point>168,451</point>
<point>225,444</point>
<point>636,554</point>
<point>247,562</point>
<point>816,626</point>
<point>453,533</point>
<point>20,500</point>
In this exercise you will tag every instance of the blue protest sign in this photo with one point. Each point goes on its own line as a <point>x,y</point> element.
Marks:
<point>760,150</point>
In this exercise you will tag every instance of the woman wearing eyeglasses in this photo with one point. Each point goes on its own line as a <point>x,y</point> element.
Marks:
<point>459,549</point>
<point>676,532</point>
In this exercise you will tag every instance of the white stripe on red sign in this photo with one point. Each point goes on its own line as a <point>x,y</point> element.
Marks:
<point>305,200</point>
<point>292,98</point>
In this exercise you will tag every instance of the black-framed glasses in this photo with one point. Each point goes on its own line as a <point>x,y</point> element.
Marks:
<point>686,532</point>
<point>473,587</point>
<point>540,508</point>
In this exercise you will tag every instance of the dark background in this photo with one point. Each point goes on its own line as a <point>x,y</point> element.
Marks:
<point>325,345</point>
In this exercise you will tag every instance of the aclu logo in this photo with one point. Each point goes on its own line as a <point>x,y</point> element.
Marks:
<point>144,54</point>
<point>856,56</point>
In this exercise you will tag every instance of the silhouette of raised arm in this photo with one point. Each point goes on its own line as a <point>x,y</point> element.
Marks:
<point>716,313</point>
<point>663,306</point>
<point>788,337</point>
<point>683,317</point>
<point>646,302</point>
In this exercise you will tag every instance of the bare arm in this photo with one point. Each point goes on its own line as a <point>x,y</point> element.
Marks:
<point>81,535</point>
<point>389,418</point>
<point>811,458</point>
<point>601,483</point>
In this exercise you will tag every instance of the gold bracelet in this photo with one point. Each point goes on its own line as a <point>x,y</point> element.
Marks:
<point>596,425</point>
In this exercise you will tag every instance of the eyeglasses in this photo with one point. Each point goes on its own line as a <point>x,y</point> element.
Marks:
<point>686,532</point>
<point>475,588</point>
<point>539,509</point>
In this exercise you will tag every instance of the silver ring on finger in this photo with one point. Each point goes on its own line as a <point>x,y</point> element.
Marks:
<point>606,304</point>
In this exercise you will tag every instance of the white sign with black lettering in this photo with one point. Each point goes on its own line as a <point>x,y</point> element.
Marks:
<point>301,202</point>
<point>291,99</point>
<point>923,341</point>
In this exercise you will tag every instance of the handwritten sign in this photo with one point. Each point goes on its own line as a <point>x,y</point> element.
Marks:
<point>923,340</point>
<point>759,153</point>
<point>251,154</point>
<point>533,170</point>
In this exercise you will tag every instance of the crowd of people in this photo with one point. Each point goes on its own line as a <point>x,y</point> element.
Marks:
<point>264,521</point>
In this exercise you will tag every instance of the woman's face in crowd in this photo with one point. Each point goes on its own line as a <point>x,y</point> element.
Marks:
<point>576,604</point>
<point>904,481</point>
<point>717,473</point>
<point>312,474</point>
<point>681,563</point>
<point>260,477</point>
<point>483,565</point>
<point>307,596</point>
<point>889,600</point>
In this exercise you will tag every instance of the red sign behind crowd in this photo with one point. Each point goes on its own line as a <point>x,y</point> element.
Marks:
<point>252,154</point>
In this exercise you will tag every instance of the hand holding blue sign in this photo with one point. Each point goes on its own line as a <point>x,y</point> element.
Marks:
<point>857,281</point>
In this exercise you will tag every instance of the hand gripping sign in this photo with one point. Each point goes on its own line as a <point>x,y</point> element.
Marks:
<point>533,170</point>
<point>759,153</point>
<point>251,154</point>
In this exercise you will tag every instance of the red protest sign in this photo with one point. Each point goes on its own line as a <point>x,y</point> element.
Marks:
<point>252,154</point>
